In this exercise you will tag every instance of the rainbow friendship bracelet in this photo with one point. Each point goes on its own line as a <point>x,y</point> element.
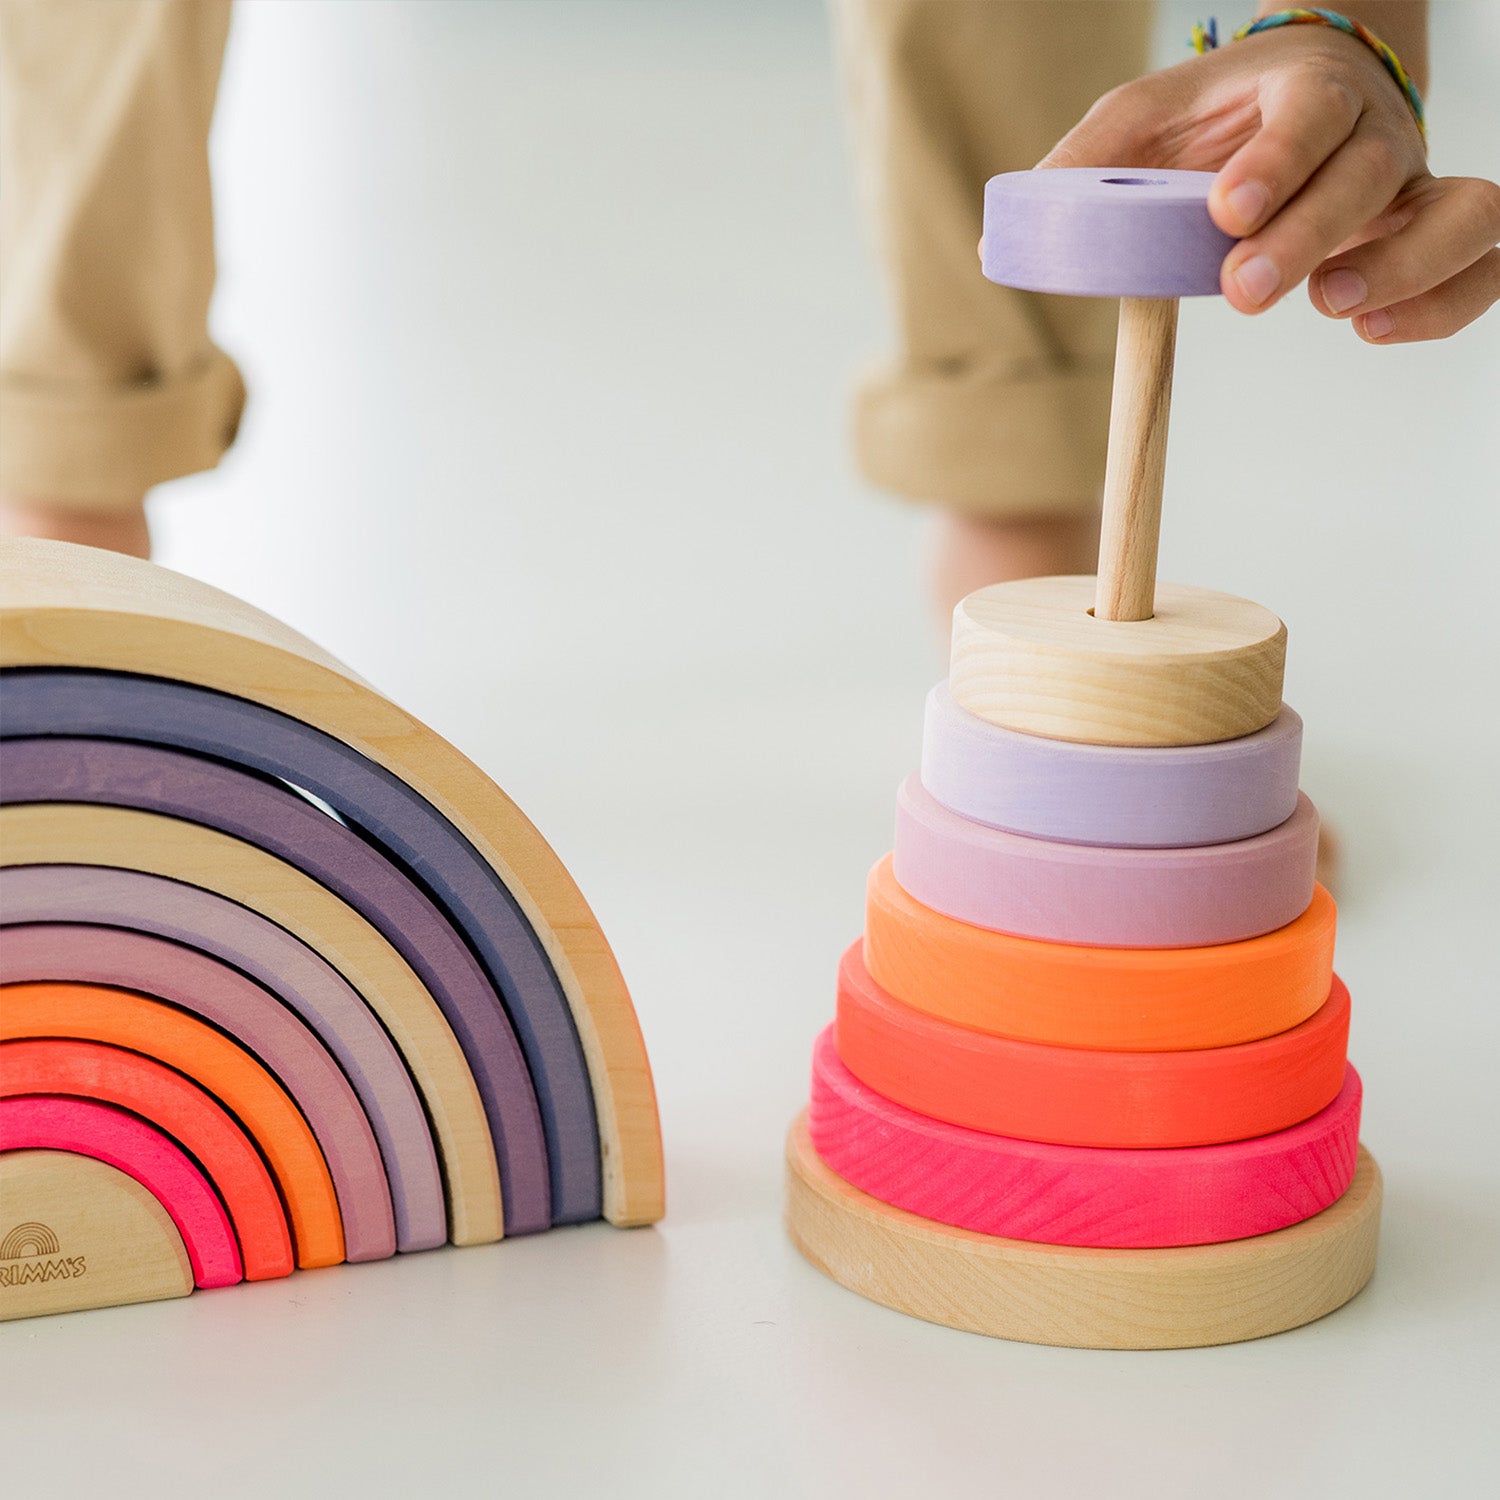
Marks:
<point>1206,39</point>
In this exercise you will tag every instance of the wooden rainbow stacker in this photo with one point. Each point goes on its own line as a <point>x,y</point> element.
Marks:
<point>1087,1084</point>
<point>244,1029</point>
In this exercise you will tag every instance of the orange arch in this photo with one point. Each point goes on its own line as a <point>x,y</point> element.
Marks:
<point>178,1108</point>
<point>120,1018</point>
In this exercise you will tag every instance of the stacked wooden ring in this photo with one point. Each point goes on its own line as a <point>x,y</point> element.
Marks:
<point>284,979</point>
<point>1087,1083</point>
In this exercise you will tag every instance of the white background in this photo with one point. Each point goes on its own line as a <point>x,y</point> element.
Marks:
<point>550,311</point>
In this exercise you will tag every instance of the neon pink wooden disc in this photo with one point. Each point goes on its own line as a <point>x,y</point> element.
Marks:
<point>1157,798</point>
<point>1103,232</point>
<point>1079,1195</point>
<point>117,1138</point>
<point>1103,897</point>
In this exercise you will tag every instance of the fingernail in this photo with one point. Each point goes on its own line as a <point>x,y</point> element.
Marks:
<point>1377,324</point>
<point>1248,202</point>
<point>1343,289</point>
<point>1257,278</point>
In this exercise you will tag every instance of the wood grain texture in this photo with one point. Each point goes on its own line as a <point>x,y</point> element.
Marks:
<point>1071,1096</point>
<point>1072,1195</point>
<point>77,607</point>
<point>119,1018</point>
<point>1140,407</point>
<point>195,982</point>
<point>117,1138</point>
<point>1124,796</point>
<point>178,1108</point>
<point>114,1242</point>
<point>1180,1298</point>
<point>1118,999</point>
<point>1030,656</point>
<point>120,838</point>
<point>125,901</point>
<point>1119,898</point>
<point>274,818</point>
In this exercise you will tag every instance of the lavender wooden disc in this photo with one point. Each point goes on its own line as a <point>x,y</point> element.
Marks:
<point>303,981</point>
<point>276,819</point>
<point>1103,897</point>
<point>1157,798</point>
<point>113,705</point>
<point>193,981</point>
<point>1103,232</point>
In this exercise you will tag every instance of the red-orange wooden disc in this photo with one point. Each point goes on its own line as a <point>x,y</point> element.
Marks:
<point>1116,999</point>
<point>1073,1096</point>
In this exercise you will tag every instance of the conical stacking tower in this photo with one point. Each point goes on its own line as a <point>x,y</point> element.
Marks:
<point>1088,1083</point>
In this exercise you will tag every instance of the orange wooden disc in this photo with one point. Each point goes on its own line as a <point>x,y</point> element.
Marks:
<point>179,1108</point>
<point>1116,999</point>
<point>1074,1096</point>
<point>121,1018</point>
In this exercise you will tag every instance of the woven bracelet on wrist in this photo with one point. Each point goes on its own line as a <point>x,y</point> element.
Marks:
<point>1206,38</point>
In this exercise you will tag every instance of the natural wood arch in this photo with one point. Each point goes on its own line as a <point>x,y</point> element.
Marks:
<point>67,833</point>
<point>66,606</point>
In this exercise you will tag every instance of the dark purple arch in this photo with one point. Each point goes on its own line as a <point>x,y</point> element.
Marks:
<point>272,817</point>
<point>152,710</point>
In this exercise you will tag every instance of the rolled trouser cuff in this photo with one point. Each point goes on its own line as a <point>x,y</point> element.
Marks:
<point>986,443</point>
<point>95,446</point>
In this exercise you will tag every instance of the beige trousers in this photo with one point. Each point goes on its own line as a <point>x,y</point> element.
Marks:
<point>109,382</point>
<point>996,401</point>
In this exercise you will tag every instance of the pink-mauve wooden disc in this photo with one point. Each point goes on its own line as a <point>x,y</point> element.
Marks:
<point>1079,1195</point>
<point>1103,232</point>
<point>1148,798</point>
<point>1103,897</point>
<point>159,1164</point>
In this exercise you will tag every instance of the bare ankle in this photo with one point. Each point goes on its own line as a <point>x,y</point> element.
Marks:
<point>970,552</point>
<point>116,528</point>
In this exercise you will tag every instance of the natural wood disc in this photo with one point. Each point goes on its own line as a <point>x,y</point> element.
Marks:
<point>1030,656</point>
<point>76,1233</point>
<point>1082,1298</point>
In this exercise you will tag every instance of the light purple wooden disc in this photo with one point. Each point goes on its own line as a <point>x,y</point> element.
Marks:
<point>192,981</point>
<point>1103,897</point>
<point>1103,232</point>
<point>98,896</point>
<point>1151,798</point>
<point>119,706</point>
<point>276,819</point>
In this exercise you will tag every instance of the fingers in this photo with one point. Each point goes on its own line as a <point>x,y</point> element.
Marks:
<point>1118,129</point>
<point>1354,185</point>
<point>1306,115</point>
<point>1438,313</point>
<point>1449,223</point>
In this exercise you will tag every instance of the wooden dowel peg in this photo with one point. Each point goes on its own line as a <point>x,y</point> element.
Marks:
<point>1139,412</point>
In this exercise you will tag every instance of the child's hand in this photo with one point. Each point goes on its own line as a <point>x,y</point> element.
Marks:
<point>1322,171</point>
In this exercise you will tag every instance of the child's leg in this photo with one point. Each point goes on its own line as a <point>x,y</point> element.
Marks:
<point>995,406</point>
<point>109,383</point>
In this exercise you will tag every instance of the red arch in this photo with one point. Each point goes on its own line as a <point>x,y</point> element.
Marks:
<point>177,1107</point>
<point>219,1065</point>
<point>160,1166</point>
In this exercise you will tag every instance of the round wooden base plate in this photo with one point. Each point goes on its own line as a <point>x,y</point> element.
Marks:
<point>1081,1298</point>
